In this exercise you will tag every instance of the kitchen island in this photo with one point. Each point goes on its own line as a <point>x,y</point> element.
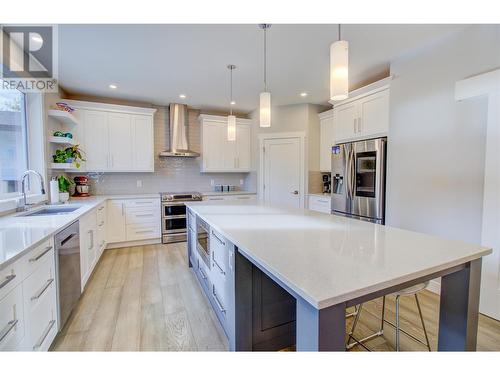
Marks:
<point>326,263</point>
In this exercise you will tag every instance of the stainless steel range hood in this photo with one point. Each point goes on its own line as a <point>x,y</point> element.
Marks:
<point>178,133</point>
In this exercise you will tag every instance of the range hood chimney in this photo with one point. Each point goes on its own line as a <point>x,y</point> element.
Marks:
<point>178,133</point>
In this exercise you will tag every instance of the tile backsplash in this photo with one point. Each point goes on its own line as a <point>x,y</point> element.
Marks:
<point>171,174</point>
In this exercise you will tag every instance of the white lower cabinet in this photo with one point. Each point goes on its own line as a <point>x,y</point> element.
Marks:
<point>320,203</point>
<point>89,246</point>
<point>28,301</point>
<point>133,219</point>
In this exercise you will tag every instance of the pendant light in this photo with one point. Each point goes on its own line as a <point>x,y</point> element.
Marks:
<point>231,120</point>
<point>265,96</point>
<point>339,69</point>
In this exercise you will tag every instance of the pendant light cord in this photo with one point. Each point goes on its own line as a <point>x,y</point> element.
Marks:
<point>231,93</point>
<point>265,59</point>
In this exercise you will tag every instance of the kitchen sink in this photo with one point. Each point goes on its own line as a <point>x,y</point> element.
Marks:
<point>52,210</point>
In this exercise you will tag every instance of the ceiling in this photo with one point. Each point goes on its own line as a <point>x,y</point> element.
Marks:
<point>156,63</point>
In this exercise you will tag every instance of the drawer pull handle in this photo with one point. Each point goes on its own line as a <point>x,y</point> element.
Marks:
<point>101,208</point>
<point>222,242</point>
<point>7,280</point>
<point>219,305</point>
<point>9,327</point>
<point>47,249</point>
<point>102,223</point>
<point>44,335</point>
<point>144,215</point>
<point>215,199</point>
<point>144,231</point>
<point>203,276</point>
<point>42,289</point>
<point>143,202</point>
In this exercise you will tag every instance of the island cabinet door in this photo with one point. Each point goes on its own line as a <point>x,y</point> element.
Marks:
<point>273,314</point>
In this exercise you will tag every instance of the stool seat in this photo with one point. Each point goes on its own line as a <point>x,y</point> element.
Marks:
<point>411,290</point>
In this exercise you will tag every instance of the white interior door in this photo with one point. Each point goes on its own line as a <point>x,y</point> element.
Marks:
<point>282,172</point>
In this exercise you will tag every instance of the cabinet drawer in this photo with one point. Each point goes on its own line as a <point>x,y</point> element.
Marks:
<point>39,284</point>
<point>142,215</point>
<point>11,319</point>
<point>145,203</point>
<point>43,321</point>
<point>11,276</point>
<point>320,204</point>
<point>202,273</point>
<point>219,304</point>
<point>219,252</point>
<point>37,256</point>
<point>143,231</point>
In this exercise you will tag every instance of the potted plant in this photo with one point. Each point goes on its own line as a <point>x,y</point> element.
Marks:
<point>64,186</point>
<point>71,154</point>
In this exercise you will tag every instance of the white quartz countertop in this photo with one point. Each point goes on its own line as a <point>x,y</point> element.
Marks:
<point>327,259</point>
<point>220,193</point>
<point>19,234</point>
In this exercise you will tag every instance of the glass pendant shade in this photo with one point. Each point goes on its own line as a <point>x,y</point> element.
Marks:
<point>265,109</point>
<point>339,70</point>
<point>231,128</point>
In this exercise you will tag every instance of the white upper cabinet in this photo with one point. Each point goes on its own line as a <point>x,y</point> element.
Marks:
<point>364,115</point>
<point>120,142</point>
<point>115,138</point>
<point>326,140</point>
<point>94,125</point>
<point>220,155</point>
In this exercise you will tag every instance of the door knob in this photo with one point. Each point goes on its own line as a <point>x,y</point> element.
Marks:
<point>295,192</point>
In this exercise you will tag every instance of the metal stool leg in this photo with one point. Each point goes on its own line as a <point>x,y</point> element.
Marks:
<point>354,324</point>
<point>383,316</point>
<point>423,324</point>
<point>397,323</point>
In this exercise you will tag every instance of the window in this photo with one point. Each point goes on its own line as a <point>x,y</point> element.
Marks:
<point>13,142</point>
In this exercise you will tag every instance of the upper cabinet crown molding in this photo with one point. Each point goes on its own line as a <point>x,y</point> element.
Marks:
<point>372,88</point>
<point>326,115</point>
<point>223,119</point>
<point>95,106</point>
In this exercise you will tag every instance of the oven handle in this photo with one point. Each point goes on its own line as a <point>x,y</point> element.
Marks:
<point>170,217</point>
<point>172,204</point>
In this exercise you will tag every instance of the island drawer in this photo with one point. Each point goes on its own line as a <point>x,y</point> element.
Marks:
<point>38,256</point>
<point>11,319</point>
<point>142,215</point>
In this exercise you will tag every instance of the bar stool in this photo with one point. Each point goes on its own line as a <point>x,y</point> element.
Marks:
<point>414,290</point>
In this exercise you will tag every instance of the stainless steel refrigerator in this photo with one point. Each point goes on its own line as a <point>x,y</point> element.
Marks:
<point>358,179</point>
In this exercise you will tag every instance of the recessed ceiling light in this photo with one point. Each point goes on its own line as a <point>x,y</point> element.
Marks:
<point>233,102</point>
<point>303,94</point>
<point>182,96</point>
<point>113,87</point>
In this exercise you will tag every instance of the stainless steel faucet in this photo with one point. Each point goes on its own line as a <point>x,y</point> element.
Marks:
<point>23,183</point>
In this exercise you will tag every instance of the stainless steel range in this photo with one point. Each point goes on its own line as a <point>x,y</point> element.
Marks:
<point>173,215</point>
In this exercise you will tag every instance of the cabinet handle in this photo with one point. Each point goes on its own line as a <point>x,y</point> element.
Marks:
<point>44,335</point>
<point>217,302</point>
<point>123,209</point>
<point>215,199</point>
<point>9,327</point>
<point>143,202</point>
<point>91,233</point>
<point>219,267</point>
<point>222,242</point>
<point>359,124</point>
<point>144,231</point>
<point>7,280</point>
<point>146,215</point>
<point>42,289</point>
<point>101,208</point>
<point>102,223</point>
<point>47,249</point>
<point>354,127</point>
<point>203,276</point>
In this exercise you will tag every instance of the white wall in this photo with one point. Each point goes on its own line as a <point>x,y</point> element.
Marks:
<point>436,145</point>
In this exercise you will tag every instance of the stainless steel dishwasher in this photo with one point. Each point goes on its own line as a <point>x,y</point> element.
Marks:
<point>69,287</point>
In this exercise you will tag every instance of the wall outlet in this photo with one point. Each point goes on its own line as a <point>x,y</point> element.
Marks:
<point>212,182</point>
<point>139,183</point>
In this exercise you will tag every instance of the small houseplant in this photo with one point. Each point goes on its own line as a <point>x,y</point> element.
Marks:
<point>64,186</point>
<point>71,154</point>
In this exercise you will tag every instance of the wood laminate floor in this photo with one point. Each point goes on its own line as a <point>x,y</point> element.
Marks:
<point>145,298</point>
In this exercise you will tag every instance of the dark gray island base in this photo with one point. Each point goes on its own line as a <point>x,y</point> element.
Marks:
<point>258,311</point>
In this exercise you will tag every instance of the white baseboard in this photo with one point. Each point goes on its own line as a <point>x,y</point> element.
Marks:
<point>118,245</point>
<point>434,286</point>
